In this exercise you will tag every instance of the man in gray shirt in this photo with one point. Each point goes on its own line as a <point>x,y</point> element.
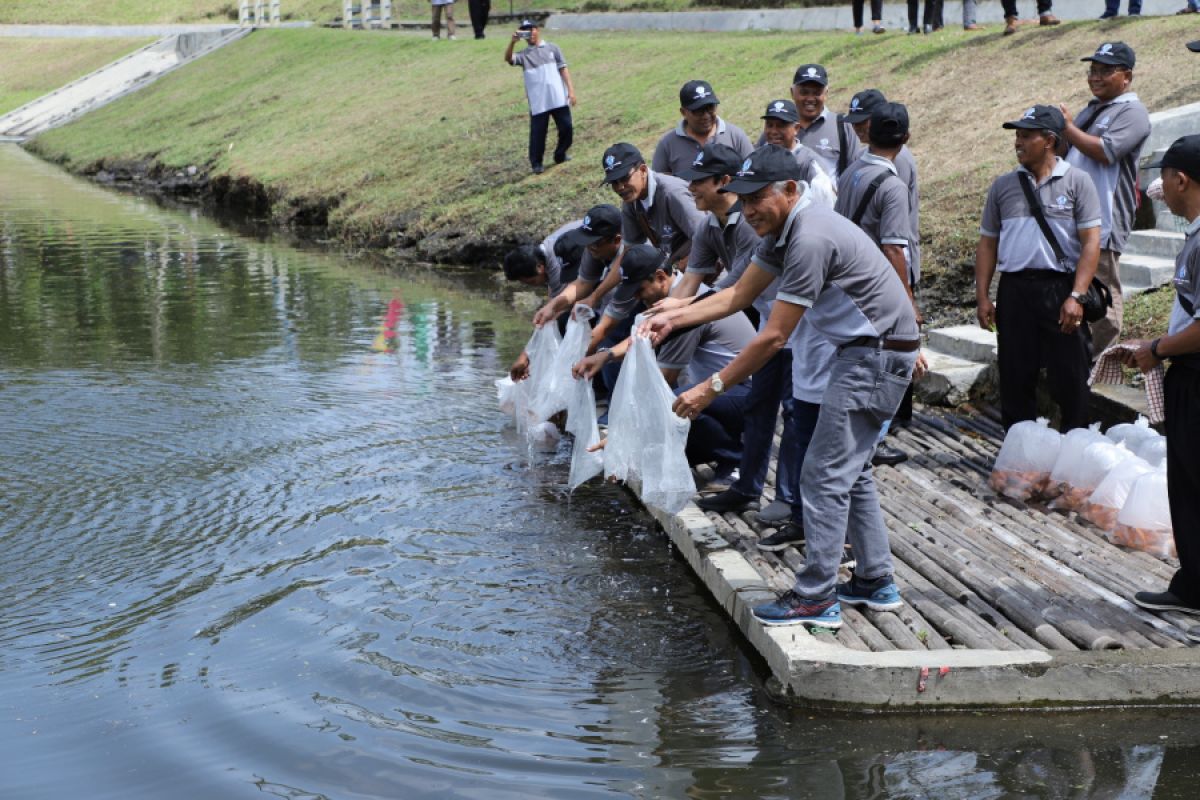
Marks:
<point>1181,189</point>
<point>820,130</point>
<point>548,88</point>
<point>700,126</point>
<point>1106,139</point>
<point>1038,313</point>
<point>834,276</point>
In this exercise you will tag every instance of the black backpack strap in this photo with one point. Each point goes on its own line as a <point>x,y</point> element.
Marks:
<point>1035,208</point>
<point>1095,116</point>
<point>1188,308</point>
<point>869,196</point>
<point>843,156</point>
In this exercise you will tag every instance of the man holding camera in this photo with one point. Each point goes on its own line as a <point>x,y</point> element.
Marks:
<point>549,90</point>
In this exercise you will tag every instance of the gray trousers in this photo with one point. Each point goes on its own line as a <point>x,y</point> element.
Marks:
<point>968,12</point>
<point>865,387</point>
<point>1107,331</point>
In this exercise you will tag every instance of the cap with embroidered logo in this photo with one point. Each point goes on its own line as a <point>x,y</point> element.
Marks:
<point>697,94</point>
<point>1115,53</point>
<point>1183,155</point>
<point>527,25</point>
<point>619,160</point>
<point>811,73</point>
<point>767,164</point>
<point>712,160</point>
<point>783,110</point>
<point>639,263</point>
<point>1045,118</point>
<point>600,222</point>
<point>862,104</point>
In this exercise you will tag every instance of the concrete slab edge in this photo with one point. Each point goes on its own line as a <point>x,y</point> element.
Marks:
<point>818,674</point>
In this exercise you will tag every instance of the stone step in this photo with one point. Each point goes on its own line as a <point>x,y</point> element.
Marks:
<point>1157,243</point>
<point>966,342</point>
<point>1139,273</point>
<point>951,380</point>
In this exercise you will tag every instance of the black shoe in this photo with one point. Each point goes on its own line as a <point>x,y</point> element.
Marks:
<point>787,536</point>
<point>888,455</point>
<point>728,500</point>
<point>1163,601</point>
<point>562,159</point>
<point>538,169</point>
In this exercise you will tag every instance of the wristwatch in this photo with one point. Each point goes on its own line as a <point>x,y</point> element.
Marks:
<point>1154,349</point>
<point>718,385</point>
<point>1079,297</point>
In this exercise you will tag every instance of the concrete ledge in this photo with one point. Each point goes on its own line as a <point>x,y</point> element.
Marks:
<point>1141,272</point>
<point>968,342</point>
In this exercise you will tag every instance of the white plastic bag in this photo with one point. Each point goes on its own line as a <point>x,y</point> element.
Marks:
<point>555,394</point>
<point>1074,442</point>
<point>1153,449</point>
<point>646,439</point>
<point>1102,507</point>
<point>1026,458</point>
<point>1097,461</point>
<point>544,436</point>
<point>1145,521</point>
<point>542,350</point>
<point>581,423</point>
<point>1130,433</point>
<point>506,395</point>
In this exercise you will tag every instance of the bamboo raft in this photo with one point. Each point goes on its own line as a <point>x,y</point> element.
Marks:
<point>1006,603</point>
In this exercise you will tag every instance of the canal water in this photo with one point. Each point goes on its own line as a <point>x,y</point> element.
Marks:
<point>264,533</point>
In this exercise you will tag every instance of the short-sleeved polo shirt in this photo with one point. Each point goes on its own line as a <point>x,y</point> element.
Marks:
<point>734,244</point>
<point>669,211</point>
<point>593,270</point>
<point>822,138</point>
<point>829,266</point>
<point>1187,286</point>
<point>676,150</point>
<point>544,86</point>
<point>906,168</point>
<point>1123,126</point>
<point>554,265</point>
<point>886,219</point>
<point>706,349</point>
<point>1070,204</point>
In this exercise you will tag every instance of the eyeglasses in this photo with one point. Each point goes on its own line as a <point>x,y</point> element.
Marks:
<point>1103,71</point>
<point>703,111</point>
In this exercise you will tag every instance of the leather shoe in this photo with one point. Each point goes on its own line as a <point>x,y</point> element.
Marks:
<point>886,455</point>
<point>728,500</point>
<point>972,27</point>
<point>1049,19</point>
<point>1010,26</point>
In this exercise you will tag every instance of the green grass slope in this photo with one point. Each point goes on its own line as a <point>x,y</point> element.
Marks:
<point>396,131</point>
<point>29,68</point>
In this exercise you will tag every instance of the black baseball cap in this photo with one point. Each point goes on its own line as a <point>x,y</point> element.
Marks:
<point>811,73</point>
<point>527,24</point>
<point>1116,53</point>
<point>889,124</point>
<point>1045,118</point>
<point>697,94</point>
<point>862,104</point>
<point>713,159</point>
<point>782,109</point>
<point>619,161</point>
<point>639,263</point>
<point>1194,46</point>
<point>1183,155</point>
<point>767,164</point>
<point>600,222</point>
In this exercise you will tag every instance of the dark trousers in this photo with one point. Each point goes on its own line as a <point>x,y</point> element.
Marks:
<point>479,10</point>
<point>933,14</point>
<point>1182,400</point>
<point>857,7</point>
<point>1029,338</point>
<point>1113,7</point>
<point>1010,7</point>
<point>539,124</point>
<point>770,388</point>
<point>804,423</point>
<point>716,434</point>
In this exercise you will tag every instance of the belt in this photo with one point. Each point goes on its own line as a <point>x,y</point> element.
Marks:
<point>898,345</point>
<point>1034,274</point>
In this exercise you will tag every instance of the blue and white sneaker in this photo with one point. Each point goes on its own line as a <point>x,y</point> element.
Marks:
<point>792,609</point>
<point>884,598</point>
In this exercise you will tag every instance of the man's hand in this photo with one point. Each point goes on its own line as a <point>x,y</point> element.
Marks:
<point>656,328</point>
<point>544,314</point>
<point>1070,316</point>
<point>1141,358</point>
<point>1066,112</point>
<point>985,313</point>
<point>519,371</point>
<point>921,367</point>
<point>591,365</point>
<point>571,98</point>
<point>516,37</point>
<point>668,304</point>
<point>689,404</point>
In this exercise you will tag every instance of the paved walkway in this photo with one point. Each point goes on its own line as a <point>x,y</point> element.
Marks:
<point>118,31</point>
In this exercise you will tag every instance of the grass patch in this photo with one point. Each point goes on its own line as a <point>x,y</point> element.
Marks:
<point>1147,314</point>
<point>29,68</point>
<point>392,127</point>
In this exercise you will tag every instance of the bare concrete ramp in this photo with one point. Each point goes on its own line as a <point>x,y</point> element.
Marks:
<point>128,74</point>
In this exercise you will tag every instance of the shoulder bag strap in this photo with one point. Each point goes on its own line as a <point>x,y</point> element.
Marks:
<point>644,222</point>
<point>843,156</point>
<point>868,197</point>
<point>1035,208</point>
<point>1095,116</point>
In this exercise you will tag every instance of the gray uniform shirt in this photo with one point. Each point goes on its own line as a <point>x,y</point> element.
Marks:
<point>829,266</point>
<point>593,270</point>
<point>706,349</point>
<point>1187,286</point>
<point>1070,204</point>
<point>807,160</point>
<point>886,219</point>
<point>822,138</point>
<point>1123,127</point>
<point>676,150</point>
<point>734,245</point>
<point>906,168</point>
<point>544,85</point>
<point>669,211</point>
<point>554,265</point>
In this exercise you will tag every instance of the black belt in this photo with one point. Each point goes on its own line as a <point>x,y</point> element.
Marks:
<point>1037,274</point>
<point>898,345</point>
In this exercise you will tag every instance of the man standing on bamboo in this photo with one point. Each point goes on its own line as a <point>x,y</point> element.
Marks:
<point>549,90</point>
<point>1106,140</point>
<point>1041,230</point>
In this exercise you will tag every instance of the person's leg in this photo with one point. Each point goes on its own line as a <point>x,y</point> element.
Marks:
<point>1107,331</point>
<point>716,434</point>
<point>1111,9</point>
<point>913,11</point>
<point>450,26</point>
<point>1044,7</point>
<point>968,14</point>
<point>856,8</point>
<point>1018,350</point>
<point>1066,356</point>
<point>473,11</point>
<point>762,407</point>
<point>538,125</point>
<point>1182,396</point>
<point>566,132</point>
<point>437,21</point>
<point>877,13</point>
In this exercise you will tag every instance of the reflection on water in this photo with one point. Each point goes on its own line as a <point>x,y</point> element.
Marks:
<point>262,533</point>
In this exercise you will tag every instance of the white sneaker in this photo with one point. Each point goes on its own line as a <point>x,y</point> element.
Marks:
<point>452,38</point>
<point>436,38</point>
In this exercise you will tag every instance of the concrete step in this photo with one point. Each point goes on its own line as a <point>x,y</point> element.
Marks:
<point>1139,273</point>
<point>966,342</point>
<point>1157,243</point>
<point>951,380</point>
